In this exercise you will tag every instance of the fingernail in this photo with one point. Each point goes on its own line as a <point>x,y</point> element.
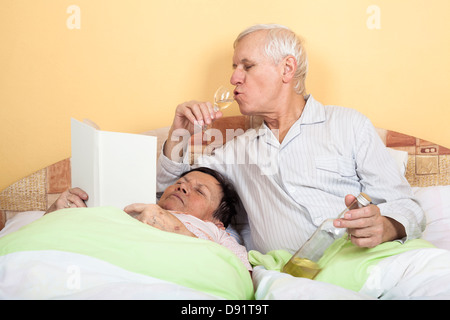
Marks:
<point>348,216</point>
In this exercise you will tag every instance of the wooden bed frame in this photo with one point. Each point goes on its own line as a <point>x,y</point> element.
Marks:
<point>428,165</point>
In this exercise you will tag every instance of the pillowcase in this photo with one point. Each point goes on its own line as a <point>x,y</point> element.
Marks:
<point>401,159</point>
<point>19,220</point>
<point>161,136</point>
<point>435,201</point>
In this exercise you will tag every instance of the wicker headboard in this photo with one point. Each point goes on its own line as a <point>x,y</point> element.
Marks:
<point>428,165</point>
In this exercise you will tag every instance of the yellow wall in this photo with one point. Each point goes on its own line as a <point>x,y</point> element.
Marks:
<point>131,62</point>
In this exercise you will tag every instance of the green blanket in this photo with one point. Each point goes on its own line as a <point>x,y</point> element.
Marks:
<point>109,234</point>
<point>343,263</point>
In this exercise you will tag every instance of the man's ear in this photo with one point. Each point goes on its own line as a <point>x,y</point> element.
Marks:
<point>290,66</point>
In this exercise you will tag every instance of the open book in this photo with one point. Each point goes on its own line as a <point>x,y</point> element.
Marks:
<point>115,169</point>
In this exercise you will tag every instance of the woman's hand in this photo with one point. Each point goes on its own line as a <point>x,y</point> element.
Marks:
<point>157,217</point>
<point>71,198</point>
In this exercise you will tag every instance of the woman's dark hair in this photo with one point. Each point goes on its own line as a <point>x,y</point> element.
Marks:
<point>227,208</point>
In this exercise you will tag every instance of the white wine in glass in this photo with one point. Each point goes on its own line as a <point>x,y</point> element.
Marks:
<point>223,98</point>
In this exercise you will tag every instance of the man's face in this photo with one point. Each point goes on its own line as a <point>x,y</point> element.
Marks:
<point>256,77</point>
<point>197,193</point>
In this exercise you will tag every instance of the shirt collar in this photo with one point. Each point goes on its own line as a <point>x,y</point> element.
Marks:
<point>314,112</point>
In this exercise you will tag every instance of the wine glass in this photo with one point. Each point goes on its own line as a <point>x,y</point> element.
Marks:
<point>223,98</point>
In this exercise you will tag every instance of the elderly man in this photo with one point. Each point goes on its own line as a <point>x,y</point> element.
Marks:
<point>304,160</point>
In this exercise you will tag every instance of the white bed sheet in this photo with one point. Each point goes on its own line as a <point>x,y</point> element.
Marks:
<point>46,275</point>
<point>271,284</point>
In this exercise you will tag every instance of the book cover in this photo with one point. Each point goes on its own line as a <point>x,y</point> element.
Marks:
<point>115,169</point>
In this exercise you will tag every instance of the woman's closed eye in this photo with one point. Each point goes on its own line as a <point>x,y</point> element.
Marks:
<point>200,191</point>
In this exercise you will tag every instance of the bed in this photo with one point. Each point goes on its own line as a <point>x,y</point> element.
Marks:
<point>74,262</point>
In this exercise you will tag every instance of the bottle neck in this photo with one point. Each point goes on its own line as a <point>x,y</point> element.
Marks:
<point>361,200</point>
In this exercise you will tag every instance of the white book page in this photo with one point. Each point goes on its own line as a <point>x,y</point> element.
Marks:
<point>127,169</point>
<point>84,160</point>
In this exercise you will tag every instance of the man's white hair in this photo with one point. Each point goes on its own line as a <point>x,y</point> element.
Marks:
<point>283,42</point>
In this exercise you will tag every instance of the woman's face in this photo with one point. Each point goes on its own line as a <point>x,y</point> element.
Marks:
<point>197,193</point>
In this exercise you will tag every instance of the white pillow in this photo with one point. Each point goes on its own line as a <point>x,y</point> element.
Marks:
<point>435,201</point>
<point>19,220</point>
<point>161,136</point>
<point>400,157</point>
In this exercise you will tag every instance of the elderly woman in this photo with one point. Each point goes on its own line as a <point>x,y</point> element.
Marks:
<point>201,203</point>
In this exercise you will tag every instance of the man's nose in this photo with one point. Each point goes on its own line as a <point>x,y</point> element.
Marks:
<point>237,77</point>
